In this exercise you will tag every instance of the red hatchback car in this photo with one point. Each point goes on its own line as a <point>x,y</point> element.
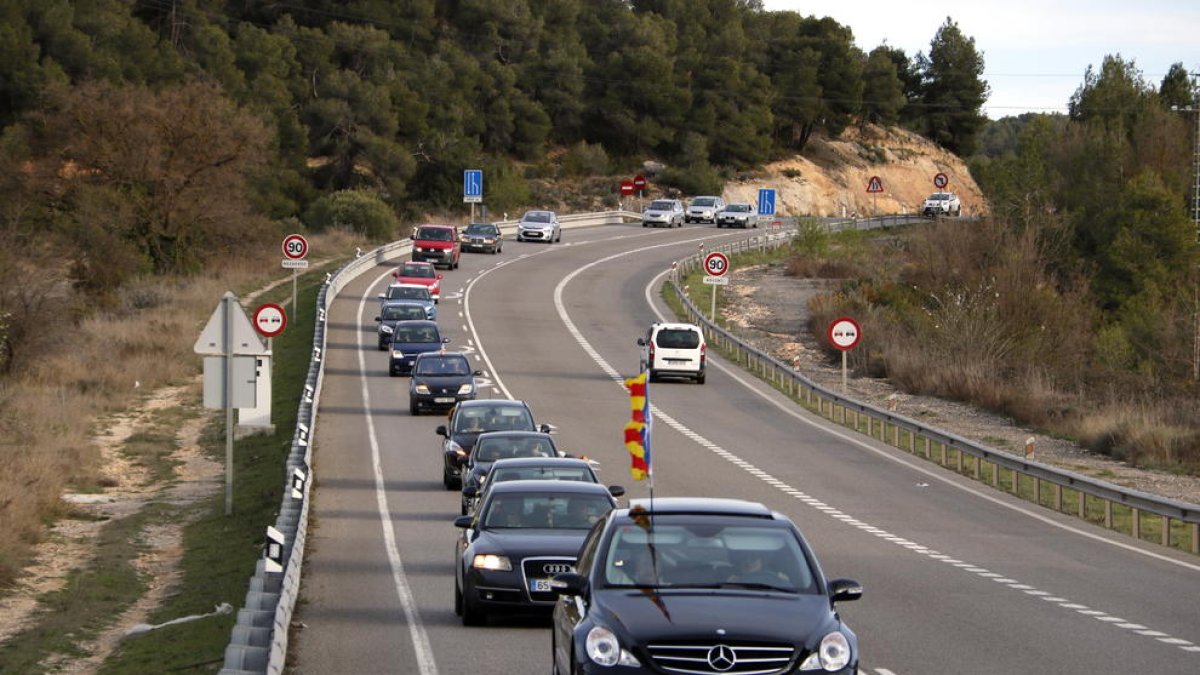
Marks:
<point>437,244</point>
<point>422,273</point>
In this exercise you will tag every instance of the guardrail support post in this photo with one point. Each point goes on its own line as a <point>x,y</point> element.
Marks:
<point>1136,522</point>
<point>943,462</point>
<point>1037,491</point>
<point>996,476</point>
<point>978,467</point>
<point>1166,531</point>
<point>928,447</point>
<point>1083,504</point>
<point>960,460</point>
<point>1108,518</point>
<point>1196,538</point>
<point>1058,498</point>
<point>1016,483</point>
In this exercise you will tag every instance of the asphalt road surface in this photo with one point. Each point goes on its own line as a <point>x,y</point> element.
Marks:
<point>958,578</point>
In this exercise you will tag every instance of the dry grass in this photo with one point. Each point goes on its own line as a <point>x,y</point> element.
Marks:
<point>52,409</point>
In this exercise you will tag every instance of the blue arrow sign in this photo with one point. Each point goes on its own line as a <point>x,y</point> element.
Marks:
<point>766,202</point>
<point>473,185</point>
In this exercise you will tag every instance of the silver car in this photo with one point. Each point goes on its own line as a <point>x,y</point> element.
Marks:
<point>737,215</point>
<point>668,212</point>
<point>539,226</point>
<point>704,210</point>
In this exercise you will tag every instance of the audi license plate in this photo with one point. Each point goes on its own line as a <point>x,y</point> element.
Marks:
<point>540,586</point>
<point>444,399</point>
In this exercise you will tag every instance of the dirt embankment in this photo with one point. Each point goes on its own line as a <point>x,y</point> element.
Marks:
<point>831,178</point>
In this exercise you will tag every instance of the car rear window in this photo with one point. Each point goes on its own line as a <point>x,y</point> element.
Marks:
<point>408,293</point>
<point>662,206</point>
<point>677,338</point>
<point>403,312</point>
<point>703,201</point>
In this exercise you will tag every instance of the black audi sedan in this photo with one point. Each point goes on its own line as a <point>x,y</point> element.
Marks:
<point>494,445</point>
<point>700,586</point>
<point>523,534</point>
<point>471,418</point>
<point>440,380</point>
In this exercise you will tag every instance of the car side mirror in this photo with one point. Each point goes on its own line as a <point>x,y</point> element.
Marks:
<point>641,342</point>
<point>477,373</point>
<point>378,319</point>
<point>445,340</point>
<point>547,428</point>
<point>381,296</point>
<point>569,584</point>
<point>441,431</point>
<point>464,522</point>
<point>471,491</point>
<point>616,490</point>
<point>439,275</point>
<point>844,590</point>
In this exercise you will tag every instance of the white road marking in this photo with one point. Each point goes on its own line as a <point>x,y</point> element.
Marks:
<point>416,630</point>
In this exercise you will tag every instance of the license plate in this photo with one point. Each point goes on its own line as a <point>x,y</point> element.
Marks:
<point>443,399</point>
<point>540,585</point>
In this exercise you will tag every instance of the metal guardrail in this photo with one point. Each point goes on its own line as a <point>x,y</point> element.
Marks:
<point>259,640</point>
<point>878,422</point>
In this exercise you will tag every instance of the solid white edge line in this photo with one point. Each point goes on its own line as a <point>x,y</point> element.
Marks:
<point>422,649</point>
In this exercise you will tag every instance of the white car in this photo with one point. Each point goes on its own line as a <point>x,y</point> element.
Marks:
<point>667,212</point>
<point>674,350</point>
<point>539,226</point>
<point>704,210</point>
<point>737,215</point>
<point>942,204</point>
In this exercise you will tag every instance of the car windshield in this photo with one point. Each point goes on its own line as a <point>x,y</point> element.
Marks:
<point>408,293</point>
<point>403,312</point>
<point>536,217</point>
<point>677,338</point>
<point>703,201</point>
<point>421,271</point>
<point>675,553</point>
<point>481,228</point>
<point>447,366</point>
<point>662,206</point>
<point>939,196</point>
<point>492,449</point>
<point>501,474</point>
<point>554,511</point>
<point>738,208</point>
<point>493,418</point>
<point>434,234</point>
<point>416,334</point>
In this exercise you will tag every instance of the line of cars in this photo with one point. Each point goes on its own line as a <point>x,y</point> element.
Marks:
<point>703,209</point>
<point>669,585</point>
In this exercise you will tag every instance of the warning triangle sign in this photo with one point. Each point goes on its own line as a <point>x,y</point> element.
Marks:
<point>245,340</point>
<point>874,185</point>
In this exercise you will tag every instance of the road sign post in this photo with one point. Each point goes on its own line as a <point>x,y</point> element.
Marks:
<point>844,334</point>
<point>295,250</point>
<point>716,269</point>
<point>639,184</point>
<point>874,186</point>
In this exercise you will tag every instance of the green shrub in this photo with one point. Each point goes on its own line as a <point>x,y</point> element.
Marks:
<point>362,211</point>
<point>585,160</point>
<point>693,180</point>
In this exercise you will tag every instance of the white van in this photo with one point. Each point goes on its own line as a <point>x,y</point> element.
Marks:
<point>674,350</point>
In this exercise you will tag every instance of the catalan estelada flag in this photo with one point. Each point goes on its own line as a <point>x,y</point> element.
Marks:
<point>637,432</point>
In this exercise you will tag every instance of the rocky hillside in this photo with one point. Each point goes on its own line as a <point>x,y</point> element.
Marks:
<point>831,178</point>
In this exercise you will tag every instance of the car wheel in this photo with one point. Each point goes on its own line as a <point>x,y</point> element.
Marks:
<point>645,225</point>
<point>458,599</point>
<point>652,376</point>
<point>700,378</point>
<point>472,615</point>
<point>446,482</point>
<point>413,408</point>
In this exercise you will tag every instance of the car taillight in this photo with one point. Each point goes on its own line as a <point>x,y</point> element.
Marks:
<point>703,349</point>
<point>651,353</point>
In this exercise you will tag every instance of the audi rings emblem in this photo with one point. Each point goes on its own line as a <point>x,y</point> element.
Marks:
<point>721,658</point>
<point>557,568</point>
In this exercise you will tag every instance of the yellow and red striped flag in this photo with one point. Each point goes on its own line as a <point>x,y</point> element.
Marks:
<point>637,431</point>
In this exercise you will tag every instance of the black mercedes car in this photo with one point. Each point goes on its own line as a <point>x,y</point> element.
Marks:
<point>440,380</point>
<point>700,586</point>
<point>524,533</point>
<point>471,418</point>
<point>410,338</point>
<point>493,445</point>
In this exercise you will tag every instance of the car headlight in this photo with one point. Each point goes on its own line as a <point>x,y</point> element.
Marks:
<point>421,389</point>
<point>832,655</point>
<point>396,354</point>
<point>491,561</point>
<point>385,329</point>
<point>466,388</point>
<point>604,650</point>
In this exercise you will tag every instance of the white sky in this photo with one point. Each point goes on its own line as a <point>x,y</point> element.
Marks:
<point>1034,53</point>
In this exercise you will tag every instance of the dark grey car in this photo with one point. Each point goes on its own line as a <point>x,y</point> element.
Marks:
<point>440,381</point>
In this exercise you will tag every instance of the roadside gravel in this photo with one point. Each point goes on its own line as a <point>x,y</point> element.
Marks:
<point>771,313</point>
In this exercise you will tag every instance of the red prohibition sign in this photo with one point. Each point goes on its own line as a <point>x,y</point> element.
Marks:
<point>716,264</point>
<point>295,247</point>
<point>940,181</point>
<point>269,320</point>
<point>844,333</point>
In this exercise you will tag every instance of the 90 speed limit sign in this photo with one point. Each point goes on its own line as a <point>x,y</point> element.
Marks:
<point>716,264</point>
<point>295,247</point>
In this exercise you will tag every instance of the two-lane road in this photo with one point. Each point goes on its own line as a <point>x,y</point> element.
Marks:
<point>958,578</point>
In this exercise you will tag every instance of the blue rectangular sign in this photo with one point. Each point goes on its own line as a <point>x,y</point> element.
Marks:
<point>766,202</point>
<point>473,185</point>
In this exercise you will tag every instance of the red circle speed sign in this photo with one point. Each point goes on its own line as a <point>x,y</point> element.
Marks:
<point>844,333</point>
<point>639,182</point>
<point>295,247</point>
<point>269,320</point>
<point>716,264</point>
<point>940,181</point>
<point>626,187</point>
